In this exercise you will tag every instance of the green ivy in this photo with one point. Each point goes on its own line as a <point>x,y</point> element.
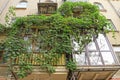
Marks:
<point>56,34</point>
<point>71,65</point>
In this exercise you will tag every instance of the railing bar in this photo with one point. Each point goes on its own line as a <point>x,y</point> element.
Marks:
<point>60,60</point>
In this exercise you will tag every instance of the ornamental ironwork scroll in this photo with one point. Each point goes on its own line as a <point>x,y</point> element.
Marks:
<point>47,8</point>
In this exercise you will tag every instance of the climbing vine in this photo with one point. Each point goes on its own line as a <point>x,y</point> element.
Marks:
<point>9,16</point>
<point>53,35</point>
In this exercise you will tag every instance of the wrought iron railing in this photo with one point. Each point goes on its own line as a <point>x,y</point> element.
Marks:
<point>32,59</point>
<point>47,8</point>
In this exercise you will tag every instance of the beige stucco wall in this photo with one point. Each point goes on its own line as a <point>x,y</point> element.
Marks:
<point>111,14</point>
<point>9,3</point>
<point>29,10</point>
<point>116,20</point>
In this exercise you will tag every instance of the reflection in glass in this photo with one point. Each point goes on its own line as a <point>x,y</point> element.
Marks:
<point>28,43</point>
<point>95,58</point>
<point>96,53</point>
<point>81,59</point>
<point>100,6</point>
<point>22,4</point>
<point>91,46</point>
<point>103,45</point>
<point>108,58</point>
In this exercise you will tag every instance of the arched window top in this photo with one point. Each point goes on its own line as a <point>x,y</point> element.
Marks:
<point>22,4</point>
<point>100,6</point>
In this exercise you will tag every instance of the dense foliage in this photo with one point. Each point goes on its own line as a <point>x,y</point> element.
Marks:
<point>74,22</point>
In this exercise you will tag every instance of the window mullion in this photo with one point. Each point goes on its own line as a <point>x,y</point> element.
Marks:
<point>86,54</point>
<point>97,46</point>
<point>111,50</point>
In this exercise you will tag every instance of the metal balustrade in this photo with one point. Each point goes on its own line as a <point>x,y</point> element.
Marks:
<point>32,59</point>
<point>47,8</point>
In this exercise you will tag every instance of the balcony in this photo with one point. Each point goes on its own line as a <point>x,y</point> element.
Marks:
<point>47,8</point>
<point>33,57</point>
<point>97,61</point>
<point>41,74</point>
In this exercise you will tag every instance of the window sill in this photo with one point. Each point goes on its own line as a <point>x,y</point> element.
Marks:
<point>21,7</point>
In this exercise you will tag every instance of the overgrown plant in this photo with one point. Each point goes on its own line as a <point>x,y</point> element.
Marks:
<point>9,16</point>
<point>54,35</point>
<point>71,65</point>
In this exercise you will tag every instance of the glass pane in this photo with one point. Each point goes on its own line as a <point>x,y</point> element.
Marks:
<point>102,42</point>
<point>108,58</point>
<point>116,48</point>
<point>22,5</point>
<point>28,42</point>
<point>75,46</point>
<point>95,58</point>
<point>91,46</point>
<point>118,56</point>
<point>37,46</point>
<point>81,59</point>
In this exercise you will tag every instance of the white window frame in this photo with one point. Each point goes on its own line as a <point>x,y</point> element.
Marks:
<point>102,54</point>
<point>117,52</point>
<point>22,4</point>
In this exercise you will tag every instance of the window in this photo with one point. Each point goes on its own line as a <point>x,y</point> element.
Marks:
<point>98,52</point>
<point>100,6</point>
<point>47,8</point>
<point>22,4</point>
<point>117,51</point>
<point>32,43</point>
<point>112,26</point>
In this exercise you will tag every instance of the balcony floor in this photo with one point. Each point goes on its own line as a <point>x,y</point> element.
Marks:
<point>82,73</point>
<point>96,72</point>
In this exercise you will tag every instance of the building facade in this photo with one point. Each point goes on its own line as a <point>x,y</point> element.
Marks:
<point>103,61</point>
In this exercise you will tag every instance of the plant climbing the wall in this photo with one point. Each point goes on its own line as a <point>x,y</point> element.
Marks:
<point>54,35</point>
